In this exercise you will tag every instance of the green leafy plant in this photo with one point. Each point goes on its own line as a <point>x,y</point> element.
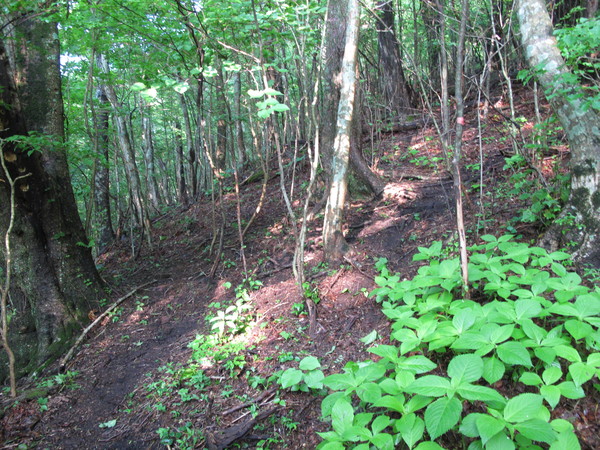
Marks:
<point>531,323</point>
<point>307,377</point>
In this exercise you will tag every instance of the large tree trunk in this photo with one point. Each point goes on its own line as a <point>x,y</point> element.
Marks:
<point>55,283</point>
<point>334,243</point>
<point>579,222</point>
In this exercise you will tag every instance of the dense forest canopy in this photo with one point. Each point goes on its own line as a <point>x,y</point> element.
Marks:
<point>114,113</point>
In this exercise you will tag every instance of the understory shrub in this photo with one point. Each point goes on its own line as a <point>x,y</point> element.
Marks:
<point>484,372</point>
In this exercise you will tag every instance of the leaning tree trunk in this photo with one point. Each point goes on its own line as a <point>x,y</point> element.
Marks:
<point>54,283</point>
<point>579,222</point>
<point>334,243</point>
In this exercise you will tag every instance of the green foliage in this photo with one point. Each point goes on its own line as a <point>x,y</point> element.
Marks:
<point>578,44</point>
<point>543,203</point>
<point>307,377</point>
<point>533,324</point>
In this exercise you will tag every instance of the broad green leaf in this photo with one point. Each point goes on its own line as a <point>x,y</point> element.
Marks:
<point>314,379</point>
<point>291,377</point>
<point>578,329</point>
<point>501,334</point>
<point>533,331</point>
<point>500,441</point>
<point>481,393</point>
<point>393,402</point>
<point>380,423</point>
<point>342,415</point>
<point>463,320</point>
<point>328,402</point>
<point>562,425</point>
<point>526,309</point>
<point>383,441</point>
<point>551,375</point>
<point>465,368</point>
<point>530,379</point>
<point>546,354</point>
<point>369,338</point>
<point>570,390</point>
<point>339,381</point>
<point>370,372</point>
<point>309,363</point>
<point>442,415</point>
<point>430,385</point>
<point>581,372</point>
<point>411,428</point>
<point>514,353</point>
<point>537,430</point>
<point>280,107</point>
<point>522,407</point>
<point>468,426</point>
<point>488,427</point>
<point>363,419</point>
<point>389,352</point>
<point>416,403</point>
<point>568,353</point>
<point>493,369</point>
<point>588,305</point>
<point>271,91</point>
<point>417,364</point>
<point>551,394</point>
<point>566,441</point>
<point>369,392</point>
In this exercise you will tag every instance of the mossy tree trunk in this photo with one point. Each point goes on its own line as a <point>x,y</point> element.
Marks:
<point>54,281</point>
<point>579,222</point>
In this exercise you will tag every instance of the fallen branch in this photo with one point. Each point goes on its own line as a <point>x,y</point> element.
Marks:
<point>89,328</point>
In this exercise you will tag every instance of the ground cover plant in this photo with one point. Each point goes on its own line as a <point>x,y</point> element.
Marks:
<point>530,326</point>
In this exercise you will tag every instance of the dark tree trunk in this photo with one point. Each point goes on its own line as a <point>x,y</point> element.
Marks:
<point>55,283</point>
<point>102,177</point>
<point>394,88</point>
<point>149,159</point>
<point>182,196</point>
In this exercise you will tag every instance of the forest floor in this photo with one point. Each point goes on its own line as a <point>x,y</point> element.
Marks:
<point>132,384</point>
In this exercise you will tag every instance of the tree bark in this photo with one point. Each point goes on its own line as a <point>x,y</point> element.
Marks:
<point>149,160</point>
<point>102,175</point>
<point>579,222</point>
<point>55,283</point>
<point>394,88</point>
<point>334,244</point>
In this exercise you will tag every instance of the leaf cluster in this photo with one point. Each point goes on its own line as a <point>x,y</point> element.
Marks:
<point>534,328</point>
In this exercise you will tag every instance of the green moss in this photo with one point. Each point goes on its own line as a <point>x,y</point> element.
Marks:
<point>584,169</point>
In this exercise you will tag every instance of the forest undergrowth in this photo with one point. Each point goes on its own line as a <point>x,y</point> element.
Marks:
<point>400,355</point>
